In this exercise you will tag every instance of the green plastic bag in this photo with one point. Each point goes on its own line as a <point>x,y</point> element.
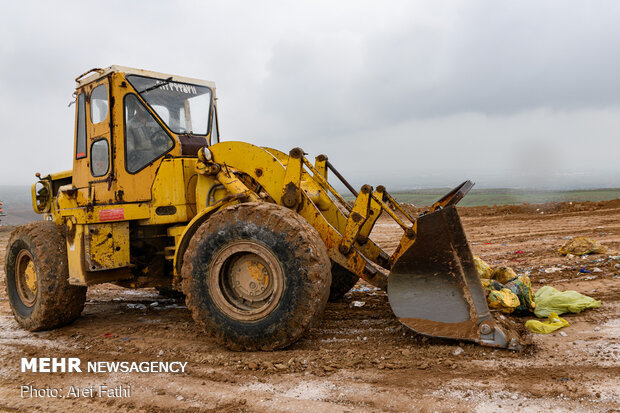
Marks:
<point>549,300</point>
<point>522,288</point>
<point>554,322</point>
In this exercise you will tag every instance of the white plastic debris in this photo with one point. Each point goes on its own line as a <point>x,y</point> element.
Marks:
<point>358,303</point>
<point>563,334</point>
<point>458,351</point>
<point>137,306</point>
<point>552,270</point>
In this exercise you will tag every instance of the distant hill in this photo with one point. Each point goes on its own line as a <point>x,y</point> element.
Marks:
<point>17,205</point>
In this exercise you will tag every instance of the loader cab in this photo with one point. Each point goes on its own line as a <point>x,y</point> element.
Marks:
<point>127,122</point>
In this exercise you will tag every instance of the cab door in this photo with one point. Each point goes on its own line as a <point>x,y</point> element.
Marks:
<point>93,167</point>
<point>101,168</point>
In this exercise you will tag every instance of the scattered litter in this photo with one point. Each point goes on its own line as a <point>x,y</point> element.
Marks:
<point>549,300</point>
<point>179,397</point>
<point>596,269</point>
<point>522,288</point>
<point>127,338</point>
<point>584,271</point>
<point>358,303</point>
<point>137,306</point>
<point>504,274</point>
<point>582,246</point>
<point>597,329</point>
<point>484,269</point>
<point>458,351</point>
<point>563,334</point>
<point>107,335</point>
<point>154,304</point>
<point>518,252</point>
<point>554,322</point>
<point>503,300</point>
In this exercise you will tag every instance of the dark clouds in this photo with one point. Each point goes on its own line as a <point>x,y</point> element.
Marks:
<point>403,93</point>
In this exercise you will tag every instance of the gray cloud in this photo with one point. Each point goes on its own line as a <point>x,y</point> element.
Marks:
<point>404,93</point>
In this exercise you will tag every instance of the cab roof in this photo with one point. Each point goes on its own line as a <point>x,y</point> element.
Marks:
<point>97,73</point>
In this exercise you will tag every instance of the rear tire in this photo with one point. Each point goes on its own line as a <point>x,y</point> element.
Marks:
<point>342,282</point>
<point>37,278</point>
<point>256,276</point>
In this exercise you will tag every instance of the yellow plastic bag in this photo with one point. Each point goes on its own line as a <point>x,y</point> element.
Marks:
<point>554,322</point>
<point>504,274</point>
<point>582,246</point>
<point>503,300</point>
<point>549,300</point>
<point>484,269</point>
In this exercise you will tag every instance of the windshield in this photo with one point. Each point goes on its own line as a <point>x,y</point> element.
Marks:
<point>183,107</point>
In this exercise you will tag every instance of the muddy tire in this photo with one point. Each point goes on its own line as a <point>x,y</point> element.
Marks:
<point>37,278</point>
<point>342,281</point>
<point>256,276</point>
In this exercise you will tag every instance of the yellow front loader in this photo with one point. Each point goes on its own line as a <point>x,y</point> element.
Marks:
<point>256,239</point>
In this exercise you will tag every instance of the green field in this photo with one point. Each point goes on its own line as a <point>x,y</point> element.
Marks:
<point>478,197</point>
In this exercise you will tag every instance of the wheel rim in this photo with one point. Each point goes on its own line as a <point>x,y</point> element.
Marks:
<point>26,278</point>
<point>246,280</point>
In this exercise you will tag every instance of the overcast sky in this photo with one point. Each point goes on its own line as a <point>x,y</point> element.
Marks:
<point>407,94</point>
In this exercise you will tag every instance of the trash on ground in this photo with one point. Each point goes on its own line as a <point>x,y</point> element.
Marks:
<point>551,270</point>
<point>137,306</point>
<point>504,274</point>
<point>522,288</point>
<point>484,269</point>
<point>549,300</point>
<point>358,303</point>
<point>503,300</point>
<point>582,246</point>
<point>553,323</point>
<point>506,291</point>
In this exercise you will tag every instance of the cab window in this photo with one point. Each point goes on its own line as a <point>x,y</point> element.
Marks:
<point>80,144</point>
<point>145,139</point>
<point>99,158</point>
<point>99,104</point>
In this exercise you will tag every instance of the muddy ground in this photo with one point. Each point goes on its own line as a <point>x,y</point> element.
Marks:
<point>356,358</point>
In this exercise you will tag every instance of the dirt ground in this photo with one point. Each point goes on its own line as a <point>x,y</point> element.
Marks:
<point>356,358</point>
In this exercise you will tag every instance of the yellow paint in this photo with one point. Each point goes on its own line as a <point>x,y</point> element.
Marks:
<point>257,272</point>
<point>106,246</point>
<point>31,276</point>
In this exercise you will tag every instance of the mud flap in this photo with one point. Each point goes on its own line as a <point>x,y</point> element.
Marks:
<point>434,288</point>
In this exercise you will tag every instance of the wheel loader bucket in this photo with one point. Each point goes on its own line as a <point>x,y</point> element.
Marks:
<point>434,288</point>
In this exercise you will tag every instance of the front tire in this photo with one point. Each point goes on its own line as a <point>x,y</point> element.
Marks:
<point>37,278</point>
<point>256,276</point>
